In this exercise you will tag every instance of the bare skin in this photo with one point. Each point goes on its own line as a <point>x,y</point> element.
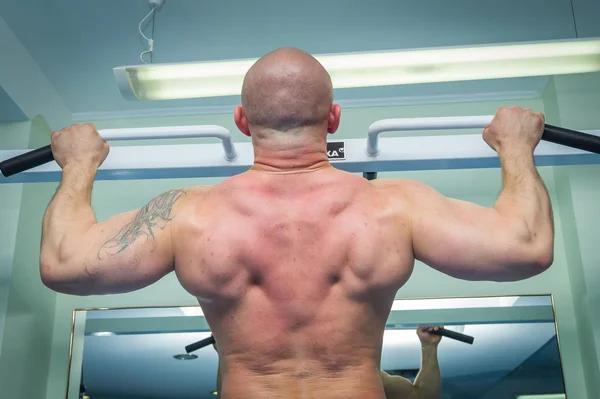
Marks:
<point>294,262</point>
<point>427,385</point>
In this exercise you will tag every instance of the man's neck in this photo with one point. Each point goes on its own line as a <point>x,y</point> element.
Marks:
<point>300,156</point>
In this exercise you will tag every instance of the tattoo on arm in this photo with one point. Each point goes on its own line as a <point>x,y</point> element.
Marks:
<point>90,273</point>
<point>154,215</point>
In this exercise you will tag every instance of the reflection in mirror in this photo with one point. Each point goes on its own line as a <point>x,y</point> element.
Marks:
<point>492,348</point>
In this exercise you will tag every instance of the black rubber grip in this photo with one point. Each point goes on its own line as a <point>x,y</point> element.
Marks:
<point>200,344</point>
<point>572,138</point>
<point>26,161</point>
<point>370,175</point>
<point>467,339</point>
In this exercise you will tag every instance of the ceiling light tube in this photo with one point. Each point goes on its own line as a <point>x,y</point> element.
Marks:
<point>387,68</point>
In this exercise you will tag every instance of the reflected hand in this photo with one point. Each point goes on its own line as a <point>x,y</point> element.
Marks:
<point>428,339</point>
<point>79,144</point>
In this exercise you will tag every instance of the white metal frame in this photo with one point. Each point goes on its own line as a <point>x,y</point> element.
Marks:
<point>174,132</point>
<point>374,154</point>
<point>416,124</point>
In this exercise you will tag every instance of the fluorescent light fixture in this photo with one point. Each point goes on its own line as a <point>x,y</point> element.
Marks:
<point>454,303</point>
<point>408,336</point>
<point>384,68</point>
<point>547,396</point>
<point>400,337</point>
<point>192,311</point>
<point>185,356</point>
<point>103,334</point>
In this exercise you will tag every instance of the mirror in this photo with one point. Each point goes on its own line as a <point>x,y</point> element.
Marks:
<point>140,352</point>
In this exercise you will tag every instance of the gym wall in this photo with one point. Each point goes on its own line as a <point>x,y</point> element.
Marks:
<point>38,321</point>
<point>30,308</point>
<point>578,104</point>
<point>12,136</point>
<point>481,186</point>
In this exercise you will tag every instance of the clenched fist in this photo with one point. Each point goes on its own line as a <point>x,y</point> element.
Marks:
<point>514,129</point>
<point>79,144</point>
<point>427,338</point>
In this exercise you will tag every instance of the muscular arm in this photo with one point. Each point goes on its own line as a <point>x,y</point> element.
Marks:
<point>428,384</point>
<point>429,380</point>
<point>512,241</point>
<point>127,252</point>
<point>397,387</point>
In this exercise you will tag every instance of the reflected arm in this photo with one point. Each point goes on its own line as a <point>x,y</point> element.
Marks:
<point>429,380</point>
<point>397,387</point>
<point>428,384</point>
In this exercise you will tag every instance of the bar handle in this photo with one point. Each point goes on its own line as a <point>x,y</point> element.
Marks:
<point>43,155</point>
<point>553,134</point>
<point>572,138</point>
<point>26,161</point>
<point>467,339</point>
<point>200,344</point>
<point>415,124</point>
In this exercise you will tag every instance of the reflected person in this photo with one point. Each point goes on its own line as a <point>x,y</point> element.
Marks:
<point>428,384</point>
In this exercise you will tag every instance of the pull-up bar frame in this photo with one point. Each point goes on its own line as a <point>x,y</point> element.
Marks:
<point>375,154</point>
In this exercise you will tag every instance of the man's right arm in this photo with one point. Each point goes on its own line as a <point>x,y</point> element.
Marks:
<point>512,241</point>
<point>427,385</point>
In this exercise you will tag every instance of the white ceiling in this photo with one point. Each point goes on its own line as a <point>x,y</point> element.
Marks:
<point>9,111</point>
<point>76,43</point>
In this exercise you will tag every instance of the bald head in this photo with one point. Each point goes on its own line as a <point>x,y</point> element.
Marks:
<point>285,90</point>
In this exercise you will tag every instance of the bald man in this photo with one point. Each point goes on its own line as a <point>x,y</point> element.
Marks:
<point>295,263</point>
<point>427,385</point>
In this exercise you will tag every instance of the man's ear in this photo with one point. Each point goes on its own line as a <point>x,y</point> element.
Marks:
<point>239,115</point>
<point>335,113</point>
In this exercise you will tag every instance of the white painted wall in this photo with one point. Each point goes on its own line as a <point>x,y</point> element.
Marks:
<point>25,82</point>
<point>573,102</point>
<point>480,186</point>
<point>29,314</point>
<point>585,192</point>
<point>578,101</point>
<point>12,136</point>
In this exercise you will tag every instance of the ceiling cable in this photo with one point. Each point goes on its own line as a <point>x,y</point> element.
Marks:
<point>153,26</point>
<point>150,41</point>
<point>574,20</point>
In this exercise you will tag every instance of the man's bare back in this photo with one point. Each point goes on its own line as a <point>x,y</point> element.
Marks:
<point>296,263</point>
<point>296,274</point>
